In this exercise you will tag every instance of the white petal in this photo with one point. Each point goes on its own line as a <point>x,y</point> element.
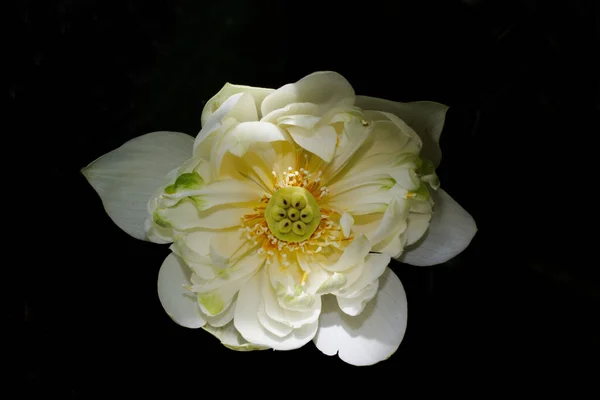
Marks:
<point>186,216</point>
<point>214,296</point>
<point>221,319</point>
<point>375,266</point>
<point>354,254</point>
<point>367,223</point>
<point>276,328</point>
<point>290,318</point>
<point>393,222</point>
<point>370,337</point>
<point>346,222</point>
<point>352,139</point>
<point>417,226</point>
<point>238,140</point>
<point>248,325</point>
<point>326,88</point>
<point>425,117</point>
<point>212,105</point>
<point>231,338</point>
<point>355,305</point>
<point>127,177</point>
<point>228,191</point>
<point>450,232</point>
<point>237,108</point>
<point>156,233</point>
<point>179,303</point>
<point>319,141</point>
<point>291,109</point>
<point>369,198</point>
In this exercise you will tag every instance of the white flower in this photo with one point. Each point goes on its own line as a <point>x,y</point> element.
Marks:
<point>285,211</point>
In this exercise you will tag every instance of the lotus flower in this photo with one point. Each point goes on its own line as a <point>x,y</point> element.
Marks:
<point>285,211</point>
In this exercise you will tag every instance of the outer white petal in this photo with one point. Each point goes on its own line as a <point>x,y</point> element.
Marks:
<point>370,337</point>
<point>126,178</point>
<point>322,88</point>
<point>247,323</point>
<point>450,232</point>
<point>231,338</point>
<point>425,117</point>
<point>212,105</point>
<point>179,303</point>
<point>355,305</point>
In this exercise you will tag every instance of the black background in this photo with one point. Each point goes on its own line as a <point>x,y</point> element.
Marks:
<point>519,305</point>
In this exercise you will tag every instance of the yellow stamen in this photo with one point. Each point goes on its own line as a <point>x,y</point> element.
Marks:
<point>304,276</point>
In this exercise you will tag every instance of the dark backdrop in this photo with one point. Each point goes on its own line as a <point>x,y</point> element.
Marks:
<point>521,77</point>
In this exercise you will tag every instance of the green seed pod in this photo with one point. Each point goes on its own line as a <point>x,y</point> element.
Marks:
<point>307,215</point>
<point>283,200</point>
<point>293,214</point>
<point>299,228</point>
<point>278,213</point>
<point>298,201</point>
<point>284,226</point>
<point>288,223</point>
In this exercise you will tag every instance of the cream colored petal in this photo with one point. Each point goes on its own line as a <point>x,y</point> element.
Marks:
<point>374,267</point>
<point>354,254</point>
<point>351,139</point>
<point>238,140</point>
<point>235,273</point>
<point>372,336</point>
<point>346,223</point>
<point>321,141</point>
<point>291,109</point>
<point>417,226</point>
<point>248,325</point>
<point>355,305</point>
<point>425,117</point>
<point>276,328</point>
<point>380,148</point>
<point>290,318</point>
<point>212,105</point>
<point>367,223</point>
<point>237,108</point>
<point>186,216</point>
<point>157,234</point>
<point>393,222</point>
<point>179,303</point>
<point>450,232</point>
<point>221,192</point>
<point>326,89</point>
<point>231,338</point>
<point>223,318</point>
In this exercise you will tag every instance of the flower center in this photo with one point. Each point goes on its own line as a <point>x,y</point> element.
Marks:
<point>292,214</point>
